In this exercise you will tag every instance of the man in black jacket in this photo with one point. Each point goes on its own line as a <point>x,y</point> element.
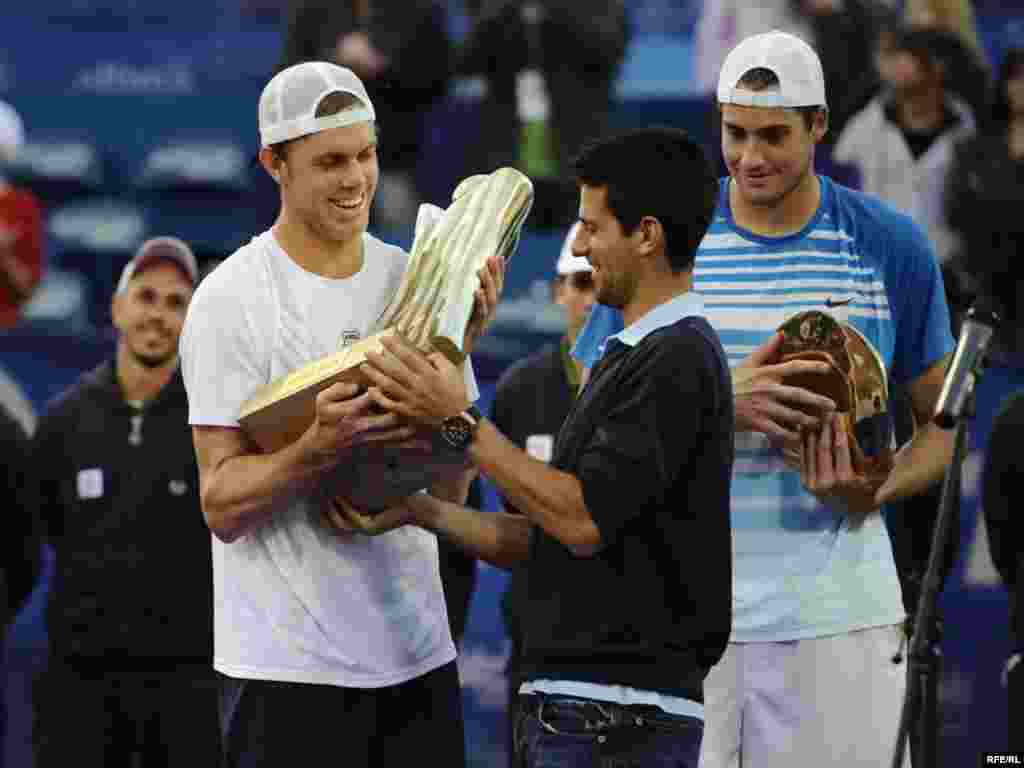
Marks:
<point>21,561</point>
<point>19,542</point>
<point>531,400</point>
<point>626,533</point>
<point>130,610</point>
<point>1001,497</point>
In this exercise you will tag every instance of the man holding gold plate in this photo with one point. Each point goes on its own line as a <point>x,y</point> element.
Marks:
<point>326,643</point>
<point>816,290</point>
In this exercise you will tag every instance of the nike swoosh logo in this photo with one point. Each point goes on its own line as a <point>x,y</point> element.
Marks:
<point>830,303</point>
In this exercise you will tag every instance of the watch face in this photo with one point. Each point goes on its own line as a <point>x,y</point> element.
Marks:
<point>457,432</point>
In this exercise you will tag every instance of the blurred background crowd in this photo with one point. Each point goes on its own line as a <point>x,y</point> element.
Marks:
<point>125,119</point>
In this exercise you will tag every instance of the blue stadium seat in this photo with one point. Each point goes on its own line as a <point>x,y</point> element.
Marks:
<point>213,230</point>
<point>58,170</point>
<point>533,260</point>
<point>62,302</point>
<point>96,238</point>
<point>194,170</point>
<point>203,191</point>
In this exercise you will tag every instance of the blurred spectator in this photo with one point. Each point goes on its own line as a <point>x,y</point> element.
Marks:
<point>843,31</point>
<point>401,51</point>
<point>21,229</point>
<point>953,17</point>
<point>955,43</point>
<point>901,143</point>
<point>130,612</point>
<point>21,562</point>
<point>1002,485</point>
<point>21,554</point>
<point>984,197</point>
<point>549,67</point>
<point>531,400</point>
<point>723,23</point>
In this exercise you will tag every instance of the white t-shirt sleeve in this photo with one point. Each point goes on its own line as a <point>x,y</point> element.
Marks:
<point>222,358</point>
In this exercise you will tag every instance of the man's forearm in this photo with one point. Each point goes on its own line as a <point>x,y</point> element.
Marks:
<point>496,537</point>
<point>549,497</point>
<point>923,460</point>
<point>919,464</point>
<point>245,491</point>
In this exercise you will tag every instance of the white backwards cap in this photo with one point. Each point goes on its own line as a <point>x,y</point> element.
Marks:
<point>289,101</point>
<point>794,62</point>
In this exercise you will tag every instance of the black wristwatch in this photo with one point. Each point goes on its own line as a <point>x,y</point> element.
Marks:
<point>459,430</point>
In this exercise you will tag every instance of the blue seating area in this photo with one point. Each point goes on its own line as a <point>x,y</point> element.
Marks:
<point>143,121</point>
<point>151,107</point>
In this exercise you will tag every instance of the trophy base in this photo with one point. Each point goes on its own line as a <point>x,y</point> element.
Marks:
<point>377,477</point>
<point>278,414</point>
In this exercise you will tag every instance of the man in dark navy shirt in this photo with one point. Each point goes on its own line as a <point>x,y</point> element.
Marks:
<point>531,400</point>
<point>626,533</point>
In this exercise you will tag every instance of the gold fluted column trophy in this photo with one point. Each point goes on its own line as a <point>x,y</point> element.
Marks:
<point>431,310</point>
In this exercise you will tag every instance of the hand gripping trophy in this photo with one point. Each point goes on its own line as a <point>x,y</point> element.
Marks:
<point>431,310</point>
<point>857,382</point>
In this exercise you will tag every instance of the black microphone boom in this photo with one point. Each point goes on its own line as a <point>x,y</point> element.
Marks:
<point>975,335</point>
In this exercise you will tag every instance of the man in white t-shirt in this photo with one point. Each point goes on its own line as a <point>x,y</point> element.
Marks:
<point>328,644</point>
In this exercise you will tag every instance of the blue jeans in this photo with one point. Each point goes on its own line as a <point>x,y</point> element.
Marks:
<point>558,732</point>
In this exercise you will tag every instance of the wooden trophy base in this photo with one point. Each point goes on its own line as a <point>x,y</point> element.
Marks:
<point>375,476</point>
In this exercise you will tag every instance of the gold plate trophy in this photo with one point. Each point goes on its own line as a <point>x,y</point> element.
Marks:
<point>857,382</point>
<point>431,311</point>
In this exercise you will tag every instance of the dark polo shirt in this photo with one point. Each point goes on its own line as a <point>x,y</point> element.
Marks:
<point>651,440</point>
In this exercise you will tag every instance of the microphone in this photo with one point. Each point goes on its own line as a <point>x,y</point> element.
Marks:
<point>975,335</point>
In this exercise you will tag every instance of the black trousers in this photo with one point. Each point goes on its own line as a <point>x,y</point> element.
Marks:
<point>115,718</point>
<point>269,724</point>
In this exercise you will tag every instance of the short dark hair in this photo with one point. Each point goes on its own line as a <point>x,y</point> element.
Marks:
<point>762,78</point>
<point>331,104</point>
<point>658,172</point>
<point>924,45</point>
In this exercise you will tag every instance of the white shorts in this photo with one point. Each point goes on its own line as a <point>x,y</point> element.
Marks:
<point>806,703</point>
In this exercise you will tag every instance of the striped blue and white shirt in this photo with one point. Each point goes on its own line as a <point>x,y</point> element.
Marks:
<point>799,569</point>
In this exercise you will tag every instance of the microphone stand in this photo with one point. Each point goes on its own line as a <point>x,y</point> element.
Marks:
<point>920,710</point>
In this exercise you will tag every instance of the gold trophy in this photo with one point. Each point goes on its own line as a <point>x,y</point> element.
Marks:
<point>431,310</point>
<point>856,381</point>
